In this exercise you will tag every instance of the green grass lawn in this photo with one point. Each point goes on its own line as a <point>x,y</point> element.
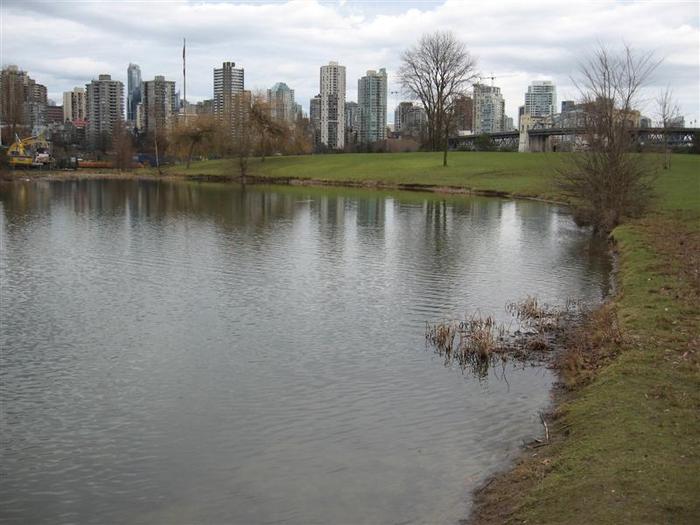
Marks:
<point>632,454</point>
<point>527,174</point>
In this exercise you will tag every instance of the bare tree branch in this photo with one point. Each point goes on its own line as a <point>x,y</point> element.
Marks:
<point>608,181</point>
<point>436,71</point>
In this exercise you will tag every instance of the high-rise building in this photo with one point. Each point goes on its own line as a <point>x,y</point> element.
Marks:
<point>352,122</point>
<point>281,101</point>
<point>54,114</point>
<point>489,109</point>
<point>37,105</point>
<point>104,99</point>
<point>568,105</point>
<point>241,104</point>
<point>228,82</point>
<point>415,123</point>
<point>400,115</point>
<point>133,93</point>
<point>410,120</point>
<point>572,115</point>
<point>298,112</point>
<point>22,101</point>
<point>158,101</point>
<point>315,119</point>
<point>205,107</point>
<point>333,105</point>
<point>13,98</point>
<point>74,105</point>
<point>541,99</point>
<point>371,98</point>
<point>464,113</point>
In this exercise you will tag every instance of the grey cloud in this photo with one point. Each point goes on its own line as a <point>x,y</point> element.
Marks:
<point>288,42</point>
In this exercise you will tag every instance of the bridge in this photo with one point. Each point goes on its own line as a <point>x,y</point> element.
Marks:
<point>565,139</point>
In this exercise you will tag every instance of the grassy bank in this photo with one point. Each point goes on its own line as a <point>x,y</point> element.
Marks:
<point>626,444</point>
<point>527,175</point>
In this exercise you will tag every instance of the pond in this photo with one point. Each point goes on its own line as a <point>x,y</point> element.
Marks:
<point>179,352</point>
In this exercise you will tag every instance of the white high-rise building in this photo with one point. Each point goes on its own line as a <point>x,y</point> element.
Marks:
<point>489,109</point>
<point>541,99</point>
<point>371,98</point>
<point>333,105</point>
<point>74,105</point>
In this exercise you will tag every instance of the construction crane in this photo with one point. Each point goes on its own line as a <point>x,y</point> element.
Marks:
<point>29,152</point>
<point>493,77</point>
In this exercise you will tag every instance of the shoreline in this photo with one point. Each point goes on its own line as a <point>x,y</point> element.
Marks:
<point>495,501</point>
<point>254,180</point>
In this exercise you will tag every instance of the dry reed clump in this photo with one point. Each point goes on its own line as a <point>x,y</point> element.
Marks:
<point>477,340</point>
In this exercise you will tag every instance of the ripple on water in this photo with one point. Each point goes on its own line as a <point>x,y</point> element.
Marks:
<point>180,353</point>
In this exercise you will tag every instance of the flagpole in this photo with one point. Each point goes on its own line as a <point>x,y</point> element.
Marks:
<point>184,79</point>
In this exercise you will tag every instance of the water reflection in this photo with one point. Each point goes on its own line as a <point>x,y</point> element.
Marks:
<point>190,352</point>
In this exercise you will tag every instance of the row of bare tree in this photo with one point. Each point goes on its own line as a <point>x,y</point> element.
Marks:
<point>254,132</point>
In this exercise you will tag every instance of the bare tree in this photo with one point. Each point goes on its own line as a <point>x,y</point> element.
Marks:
<point>668,112</point>
<point>606,181</point>
<point>123,145</point>
<point>195,132</point>
<point>437,71</point>
<point>243,131</point>
<point>266,128</point>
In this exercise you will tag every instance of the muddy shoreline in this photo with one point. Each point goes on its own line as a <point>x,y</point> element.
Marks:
<point>500,496</point>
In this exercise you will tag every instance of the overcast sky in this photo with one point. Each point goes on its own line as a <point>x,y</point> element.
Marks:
<point>66,43</point>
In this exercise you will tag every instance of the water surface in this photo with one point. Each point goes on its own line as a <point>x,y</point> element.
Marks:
<point>184,352</point>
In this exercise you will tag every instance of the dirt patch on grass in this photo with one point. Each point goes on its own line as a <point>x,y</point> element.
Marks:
<point>681,245</point>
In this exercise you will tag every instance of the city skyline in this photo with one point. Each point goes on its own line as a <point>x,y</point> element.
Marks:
<point>546,44</point>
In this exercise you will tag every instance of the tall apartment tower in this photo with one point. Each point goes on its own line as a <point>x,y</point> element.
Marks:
<point>22,101</point>
<point>371,98</point>
<point>38,102</point>
<point>315,118</point>
<point>104,100</point>
<point>400,115</point>
<point>229,84</point>
<point>463,113</point>
<point>541,99</point>
<point>352,122</point>
<point>74,105</point>
<point>333,105</point>
<point>133,93</point>
<point>489,109</point>
<point>281,101</point>
<point>13,98</point>
<point>159,104</point>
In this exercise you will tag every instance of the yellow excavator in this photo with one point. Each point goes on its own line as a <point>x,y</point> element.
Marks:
<point>30,152</point>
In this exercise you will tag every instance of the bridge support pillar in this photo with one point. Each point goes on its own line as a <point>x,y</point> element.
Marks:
<point>523,141</point>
